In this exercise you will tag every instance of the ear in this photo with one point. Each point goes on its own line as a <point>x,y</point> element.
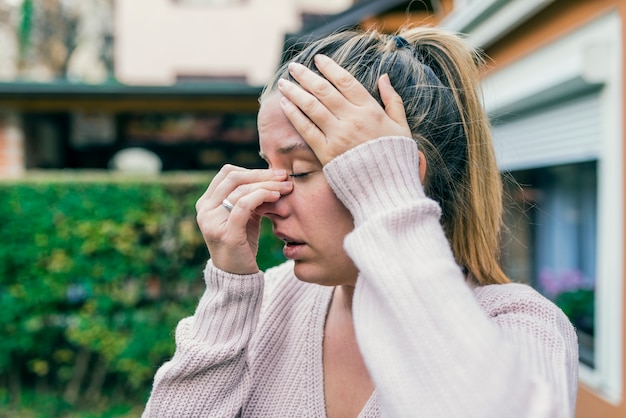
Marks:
<point>422,167</point>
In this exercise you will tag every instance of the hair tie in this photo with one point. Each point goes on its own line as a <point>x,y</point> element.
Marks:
<point>400,42</point>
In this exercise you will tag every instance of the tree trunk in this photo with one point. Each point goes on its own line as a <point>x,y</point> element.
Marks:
<point>94,391</point>
<point>72,390</point>
<point>15,384</point>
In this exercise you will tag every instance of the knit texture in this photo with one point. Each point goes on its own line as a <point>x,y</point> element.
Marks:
<point>434,346</point>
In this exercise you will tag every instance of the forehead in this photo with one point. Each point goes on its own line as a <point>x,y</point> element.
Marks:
<point>276,133</point>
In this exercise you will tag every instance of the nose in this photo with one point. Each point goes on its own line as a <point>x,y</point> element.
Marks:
<point>278,209</point>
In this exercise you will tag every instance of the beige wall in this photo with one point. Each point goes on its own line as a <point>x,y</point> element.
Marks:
<point>156,40</point>
<point>323,6</point>
<point>562,17</point>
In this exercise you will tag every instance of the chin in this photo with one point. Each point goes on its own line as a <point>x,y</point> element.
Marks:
<point>305,272</point>
<point>310,273</point>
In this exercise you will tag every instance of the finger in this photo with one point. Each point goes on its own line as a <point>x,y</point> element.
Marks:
<point>283,187</point>
<point>394,106</point>
<point>210,215</point>
<point>346,84</point>
<point>308,104</point>
<point>311,134</point>
<point>217,179</point>
<point>229,178</point>
<point>321,88</point>
<point>246,206</point>
<point>221,175</point>
<point>235,179</point>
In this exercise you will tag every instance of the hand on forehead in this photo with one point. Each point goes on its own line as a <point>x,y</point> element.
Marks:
<point>333,112</point>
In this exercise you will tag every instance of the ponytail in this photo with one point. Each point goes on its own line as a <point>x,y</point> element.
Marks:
<point>474,224</point>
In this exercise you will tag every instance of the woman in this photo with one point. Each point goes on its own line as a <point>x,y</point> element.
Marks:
<point>392,302</point>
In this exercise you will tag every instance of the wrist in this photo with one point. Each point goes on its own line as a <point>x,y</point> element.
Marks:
<point>376,176</point>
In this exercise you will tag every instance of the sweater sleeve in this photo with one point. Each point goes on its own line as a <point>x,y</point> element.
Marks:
<point>208,372</point>
<point>430,347</point>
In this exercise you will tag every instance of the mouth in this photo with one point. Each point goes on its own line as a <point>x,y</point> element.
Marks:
<point>289,241</point>
<point>294,249</point>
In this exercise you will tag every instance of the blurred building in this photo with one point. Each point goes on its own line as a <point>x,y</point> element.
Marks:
<point>83,80</point>
<point>187,77</point>
<point>554,91</point>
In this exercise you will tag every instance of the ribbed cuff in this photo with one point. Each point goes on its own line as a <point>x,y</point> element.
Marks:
<point>230,305</point>
<point>376,176</point>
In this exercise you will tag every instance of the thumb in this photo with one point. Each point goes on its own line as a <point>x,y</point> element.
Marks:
<point>394,107</point>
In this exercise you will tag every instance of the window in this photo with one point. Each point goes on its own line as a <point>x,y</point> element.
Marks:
<point>551,221</point>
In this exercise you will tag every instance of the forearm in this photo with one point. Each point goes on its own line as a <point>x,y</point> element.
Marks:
<point>208,371</point>
<point>426,340</point>
<point>428,344</point>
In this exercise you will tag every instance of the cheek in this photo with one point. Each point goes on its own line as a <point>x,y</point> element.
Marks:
<point>332,211</point>
<point>318,203</point>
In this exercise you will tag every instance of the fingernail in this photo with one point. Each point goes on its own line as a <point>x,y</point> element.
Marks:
<point>294,67</point>
<point>385,78</point>
<point>280,173</point>
<point>321,58</point>
<point>281,83</point>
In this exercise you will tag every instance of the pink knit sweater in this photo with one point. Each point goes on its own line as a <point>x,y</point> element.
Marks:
<point>433,345</point>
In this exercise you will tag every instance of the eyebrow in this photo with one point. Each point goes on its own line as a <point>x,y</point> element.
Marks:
<point>287,149</point>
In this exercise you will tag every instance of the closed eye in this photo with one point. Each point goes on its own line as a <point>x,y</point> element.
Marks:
<point>298,175</point>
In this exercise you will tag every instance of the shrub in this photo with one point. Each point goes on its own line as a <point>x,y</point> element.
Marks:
<point>95,272</point>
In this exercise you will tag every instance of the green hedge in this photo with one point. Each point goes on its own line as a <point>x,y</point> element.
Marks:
<point>95,272</point>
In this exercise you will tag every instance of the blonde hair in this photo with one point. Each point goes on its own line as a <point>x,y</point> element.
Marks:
<point>437,76</point>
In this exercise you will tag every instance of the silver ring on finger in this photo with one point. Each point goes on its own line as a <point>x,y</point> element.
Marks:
<point>227,205</point>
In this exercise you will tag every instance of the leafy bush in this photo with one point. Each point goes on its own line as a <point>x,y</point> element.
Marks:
<point>95,272</point>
